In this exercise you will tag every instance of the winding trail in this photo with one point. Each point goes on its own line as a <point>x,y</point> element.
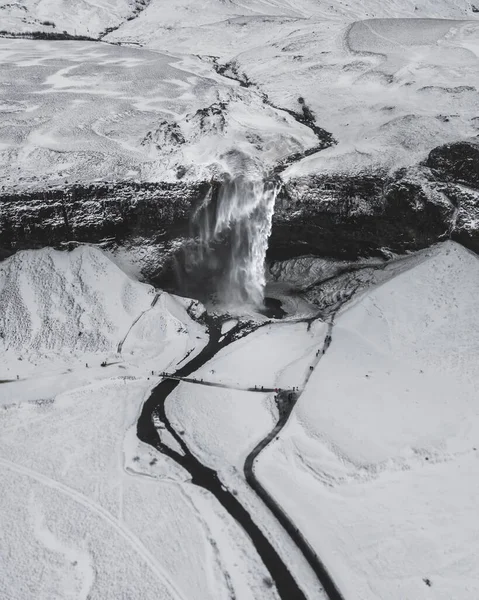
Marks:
<point>152,305</point>
<point>261,390</point>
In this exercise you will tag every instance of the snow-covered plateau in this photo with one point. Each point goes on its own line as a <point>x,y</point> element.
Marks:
<point>239,287</point>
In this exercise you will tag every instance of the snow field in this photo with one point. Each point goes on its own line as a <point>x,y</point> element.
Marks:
<point>378,467</point>
<point>64,462</point>
<point>277,355</point>
<point>83,111</point>
<point>222,426</point>
<point>94,512</point>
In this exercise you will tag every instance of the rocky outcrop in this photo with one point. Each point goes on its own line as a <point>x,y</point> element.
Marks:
<point>456,163</point>
<point>335,216</point>
<point>457,166</point>
<point>122,211</point>
<point>350,217</point>
<point>364,215</point>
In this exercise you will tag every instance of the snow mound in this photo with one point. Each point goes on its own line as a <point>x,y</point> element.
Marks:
<point>52,301</point>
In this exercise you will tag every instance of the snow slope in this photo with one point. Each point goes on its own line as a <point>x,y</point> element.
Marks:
<point>390,81</point>
<point>83,17</point>
<point>87,511</point>
<point>64,313</point>
<point>379,466</point>
<point>389,90</point>
<point>58,301</point>
<point>188,25</point>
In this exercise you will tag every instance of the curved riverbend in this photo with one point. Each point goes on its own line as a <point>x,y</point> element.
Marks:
<point>203,476</point>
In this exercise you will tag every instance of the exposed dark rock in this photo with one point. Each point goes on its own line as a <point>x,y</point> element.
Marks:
<point>168,133</point>
<point>335,216</point>
<point>355,216</point>
<point>122,211</point>
<point>350,217</point>
<point>46,35</point>
<point>457,163</point>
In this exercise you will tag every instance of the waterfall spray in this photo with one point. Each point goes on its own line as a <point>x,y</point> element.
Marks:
<point>233,230</point>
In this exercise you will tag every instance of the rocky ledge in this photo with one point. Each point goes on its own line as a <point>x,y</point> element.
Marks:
<point>119,212</point>
<point>351,216</point>
<point>340,216</point>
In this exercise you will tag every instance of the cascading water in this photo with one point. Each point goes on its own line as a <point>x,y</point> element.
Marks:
<point>233,226</point>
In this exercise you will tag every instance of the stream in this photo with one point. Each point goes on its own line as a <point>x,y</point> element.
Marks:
<point>207,478</point>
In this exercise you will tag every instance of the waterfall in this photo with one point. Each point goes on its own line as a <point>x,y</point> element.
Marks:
<point>233,227</point>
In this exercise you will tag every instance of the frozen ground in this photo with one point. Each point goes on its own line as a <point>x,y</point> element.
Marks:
<point>379,464</point>
<point>376,466</point>
<point>78,17</point>
<point>86,510</point>
<point>390,81</point>
<point>81,111</point>
<point>388,90</point>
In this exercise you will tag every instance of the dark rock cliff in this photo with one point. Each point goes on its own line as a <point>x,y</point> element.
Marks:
<point>332,216</point>
<point>121,211</point>
<point>363,215</point>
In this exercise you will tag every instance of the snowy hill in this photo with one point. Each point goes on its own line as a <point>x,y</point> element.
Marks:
<point>58,301</point>
<point>71,308</point>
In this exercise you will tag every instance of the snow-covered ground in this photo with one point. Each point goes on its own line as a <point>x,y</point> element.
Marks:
<point>82,111</point>
<point>376,466</point>
<point>379,465</point>
<point>77,17</point>
<point>86,510</point>
<point>390,81</point>
<point>388,90</point>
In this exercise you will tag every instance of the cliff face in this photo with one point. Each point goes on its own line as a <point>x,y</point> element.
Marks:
<point>331,216</point>
<point>122,211</point>
<point>362,215</point>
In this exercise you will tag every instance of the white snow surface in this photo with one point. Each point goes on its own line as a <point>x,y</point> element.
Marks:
<point>379,466</point>
<point>78,17</point>
<point>389,80</point>
<point>86,510</point>
<point>75,112</point>
<point>274,356</point>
